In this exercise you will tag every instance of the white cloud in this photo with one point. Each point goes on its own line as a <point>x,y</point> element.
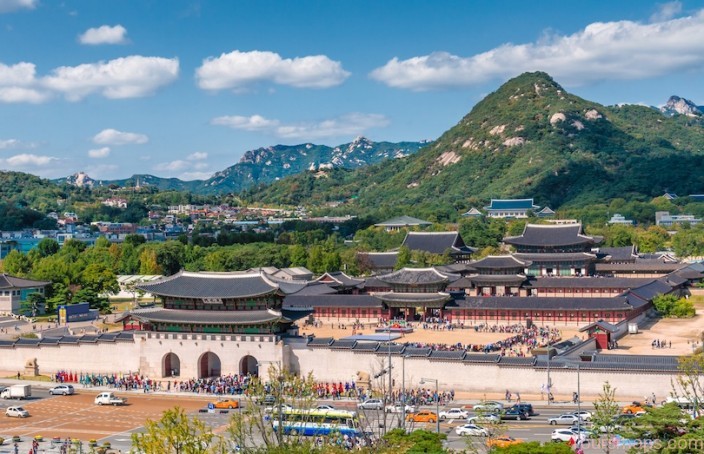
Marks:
<point>7,6</point>
<point>253,123</point>
<point>602,51</point>
<point>188,176</point>
<point>26,160</point>
<point>115,137</point>
<point>14,144</point>
<point>129,77</point>
<point>101,171</point>
<point>666,11</point>
<point>104,34</point>
<point>98,153</point>
<point>345,125</point>
<point>237,70</point>
<point>197,156</point>
<point>180,164</point>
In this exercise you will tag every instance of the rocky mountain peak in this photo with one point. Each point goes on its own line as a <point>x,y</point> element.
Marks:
<point>681,106</point>
<point>80,179</point>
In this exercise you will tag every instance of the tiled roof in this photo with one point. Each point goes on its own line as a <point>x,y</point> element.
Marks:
<point>480,358</point>
<point>652,289</point>
<point>211,285</point>
<point>436,242</point>
<point>447,354</point>
<point>339,278</point>
<point>7,282</point>
<point>540,303</point>
<point>600,324</point>
<point>343,344</point>
<point>416,276</point>
<point>396,349</point>
<point>499,262</point>
<point>507,279</point>
<point>511,204</point>
<point>315,289</point>
<point>587,282</point>
<point>555,257</point>
<point>619,254</point>
<point>415,352</point>
<point>320,341</point>
<point>640,265</point>
<point>517,361</point>
<point>418,298</point>
<point>159,315</point>
<point>367,301</point>
<point>366,346</point>
<point>403,221</point>
<point>551,236</point>
<point>380,259</point>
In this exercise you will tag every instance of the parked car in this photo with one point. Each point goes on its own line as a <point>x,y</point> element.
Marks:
<point>566,419</point>
<point>525,408</point>
<point>490,418</point>
<point>564,435</point>
<point>514,414</point>
<point>63,390</point>
<point>488,405</point>
<point>503,442</point>
<point>472,430</point>
<point>371,404</point>
<point>422,416</point>
<point>454,413</point>
<point>226,403</point>
<point>16,412</point>
<point>400,408</point>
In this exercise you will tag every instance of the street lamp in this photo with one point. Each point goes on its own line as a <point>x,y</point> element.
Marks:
<point>403,392</point>
<point>579,405</point>
<point>281,394</point>
<point>437,400</point>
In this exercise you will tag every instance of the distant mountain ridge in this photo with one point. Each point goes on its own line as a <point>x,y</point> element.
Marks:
<point>268,164</point>
<point>529,138</point>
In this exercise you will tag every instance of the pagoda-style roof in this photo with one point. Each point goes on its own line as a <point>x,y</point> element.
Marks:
<point>403,221</point>
<point>619,254</point>
<point>551,236</point>
<point>511,204</point>
<point>185,284</point>
<point>9,282</point>
<point>339,279</point>
<point>417,276</point>
<point>498,279</point>
<point>379,260</point>
<point>350,301</point>
<point>555,257</point>
<point>415,299</point>
<point>499,262</point>
<point>436,242</point>
<point>160,315</point>
<point>651,266</point>
<point>473,212</point>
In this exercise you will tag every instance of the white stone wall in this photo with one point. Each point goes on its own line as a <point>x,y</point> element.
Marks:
<point>343,365</point>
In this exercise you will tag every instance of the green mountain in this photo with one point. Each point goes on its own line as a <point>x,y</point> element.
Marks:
<point>530,138</point>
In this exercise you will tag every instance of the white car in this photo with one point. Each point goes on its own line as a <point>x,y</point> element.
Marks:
<point>489,405</point>
<point>398,408</point>
<point>63,390</point>
<point>16,412</point>
<point>371,404</point>
<point>454,413</point>
<point>585,415</point>
<point>472,430</point>
<point>566,419</point>
<point>275,408</point>
<point>564,435</point>
<point>325,407</point>
<point>488,418</point>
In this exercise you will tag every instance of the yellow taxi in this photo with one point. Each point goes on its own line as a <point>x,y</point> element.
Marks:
<point>632,409</point>
<point>226,403</point>
<point>503,442</point>
<point>422,416</point>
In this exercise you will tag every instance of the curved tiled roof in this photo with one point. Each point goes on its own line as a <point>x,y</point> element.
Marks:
<point>159,315</point>
<point>551,236</point>
<point>419,298</point>
<point>417,276</point>
<point>436,242</point>
<point>553,257</point>
<point>540,303</point>
<point>7,281</point>
<point>500,261</point>
<point>366,301</point>
<point>588,282</point>
<point>211,285</point>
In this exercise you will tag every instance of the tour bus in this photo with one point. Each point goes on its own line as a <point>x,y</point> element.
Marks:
<point>318,422</point>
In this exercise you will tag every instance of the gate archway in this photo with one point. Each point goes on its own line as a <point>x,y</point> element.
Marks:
<point>248,365</point>
<point>170,365</point>
<point>209,365</point>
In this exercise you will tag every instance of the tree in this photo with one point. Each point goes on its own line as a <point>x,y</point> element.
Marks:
<point>689,384</point>
<point>606,409</point>
<point>418,441</point>
<point>535,447</point>
<point>671,305</point>
<point>48,246</point>
<point>16,264</point>
<point>174,433</point>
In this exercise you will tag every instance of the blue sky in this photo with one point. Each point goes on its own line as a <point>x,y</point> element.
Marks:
<point>183,88</point>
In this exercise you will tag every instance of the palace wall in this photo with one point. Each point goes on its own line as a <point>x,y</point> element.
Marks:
<point>342,365</point>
